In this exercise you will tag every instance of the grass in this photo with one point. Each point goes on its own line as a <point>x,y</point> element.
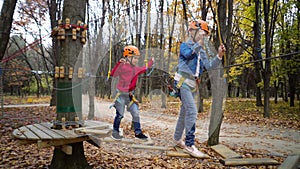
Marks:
<point>9,100</point>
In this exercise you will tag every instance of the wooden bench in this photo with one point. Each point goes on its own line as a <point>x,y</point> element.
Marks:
<point>44,136</point>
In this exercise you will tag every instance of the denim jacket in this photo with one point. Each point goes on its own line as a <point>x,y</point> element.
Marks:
<point>188,58</point>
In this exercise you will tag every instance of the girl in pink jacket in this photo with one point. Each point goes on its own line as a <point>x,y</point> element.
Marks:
<point>128,73</point>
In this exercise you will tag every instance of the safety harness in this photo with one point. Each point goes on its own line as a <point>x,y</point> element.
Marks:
<point>185,78</point>
<point>130,94</point>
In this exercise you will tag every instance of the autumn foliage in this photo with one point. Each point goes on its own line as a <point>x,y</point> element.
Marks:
<point>114,155</point>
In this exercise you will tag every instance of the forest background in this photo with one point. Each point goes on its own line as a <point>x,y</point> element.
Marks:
<point>261,62</point>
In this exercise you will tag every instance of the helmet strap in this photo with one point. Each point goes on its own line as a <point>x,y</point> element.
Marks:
<point>195,35</point>
<point>129,60</point>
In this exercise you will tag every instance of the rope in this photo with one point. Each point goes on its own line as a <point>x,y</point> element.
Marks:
<point>148,37</point>
<point>147,41</point>
<point>110,47</point>
<point>229,66</point>
<point>24,49</point>
<point>260,60</point>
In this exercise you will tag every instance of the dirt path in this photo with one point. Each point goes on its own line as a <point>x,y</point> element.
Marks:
<point>277,142</point>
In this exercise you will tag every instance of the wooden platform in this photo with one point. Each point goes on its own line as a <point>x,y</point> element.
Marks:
<point>45,136</point>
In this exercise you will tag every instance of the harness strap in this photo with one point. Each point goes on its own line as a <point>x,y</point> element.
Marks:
<point>180,82</point>
<point>133,99</point>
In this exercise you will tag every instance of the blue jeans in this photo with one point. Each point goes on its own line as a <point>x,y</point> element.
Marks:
<point>187,116</point>
<point>120,103</point>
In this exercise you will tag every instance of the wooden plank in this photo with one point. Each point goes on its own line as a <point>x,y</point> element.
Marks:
<point>27,133</point>
<point>225,152</point>
<point>291,162</point>
<point>49,143</point>
<point>48,131</point>
<point>182,154</point>
<point>178,154</point>
<point>141,146</point>
<point>104,132</point>
<point>248,161</point>
<point>92,123</point>
<point>123,140</point>
<point>38,132</point>
<point>66,134</point>
<point>97,127</point>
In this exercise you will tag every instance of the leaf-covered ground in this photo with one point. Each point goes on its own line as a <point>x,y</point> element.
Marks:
<point>113,155</point>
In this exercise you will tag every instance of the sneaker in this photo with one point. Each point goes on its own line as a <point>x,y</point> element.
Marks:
<point>180,144</point>
<point>193,151</point>
<point>141,136</point>
<point>116,135</point>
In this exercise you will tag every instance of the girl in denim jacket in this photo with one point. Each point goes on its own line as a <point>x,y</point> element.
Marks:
<point>190,66</point>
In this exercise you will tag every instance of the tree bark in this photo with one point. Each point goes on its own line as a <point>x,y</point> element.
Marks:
<point>6,18</point>
<point>69,95</point>
<point>218,84</point>
<point>55,48</point>
<point>257,51</point>
<point>269,19</point>
<point>75,161</point>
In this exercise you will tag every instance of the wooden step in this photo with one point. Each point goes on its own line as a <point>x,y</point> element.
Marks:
<point>225,152</point>
<point>248,161</point>
<point>182,154</point>
<point>149,147</point>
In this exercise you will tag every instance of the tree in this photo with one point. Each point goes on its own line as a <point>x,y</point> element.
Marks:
<point>269,21</point>
<point>69,95</point>
<point>6,20</point>
<point>54,13</point>
<point>257,50</point>
<point>224,8</point>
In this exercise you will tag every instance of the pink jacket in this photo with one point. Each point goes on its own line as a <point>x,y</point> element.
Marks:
<point>128,75</point>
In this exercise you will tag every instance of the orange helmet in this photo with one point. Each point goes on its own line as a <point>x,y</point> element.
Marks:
<point>199,24</point>
<point>131,51</point>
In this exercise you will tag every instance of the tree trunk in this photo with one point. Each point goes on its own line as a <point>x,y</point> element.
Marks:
<point>6,18</point>
<point>285,93</point>
<point>218,84</point>
<point>75,161</point>
<point>213,138</point>
<point>69,95</point>
<point>257,51</point>
<point>269,19</point>
<point>276,92</point>
<point>219,90</point>
<point>267,70</point>
<point>38,85</point>
<point>91,98</point>
<point>138,25</point>
<point>292,88</point>
<point>55,48</point>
